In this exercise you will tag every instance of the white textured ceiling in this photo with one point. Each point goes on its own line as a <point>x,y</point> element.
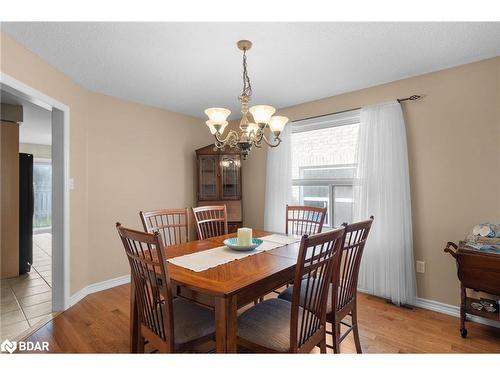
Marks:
<point>187,67</point>
<point>36,127</point>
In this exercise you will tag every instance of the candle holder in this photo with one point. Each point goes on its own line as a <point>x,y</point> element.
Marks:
<point>232,243</point>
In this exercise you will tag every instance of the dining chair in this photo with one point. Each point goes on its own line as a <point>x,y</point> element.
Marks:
<point>169,325</point>
<point>302,220</point>
<point>343,289</point>
<point>281,326</point>
<point>172,223</point>
<point>211,221</point>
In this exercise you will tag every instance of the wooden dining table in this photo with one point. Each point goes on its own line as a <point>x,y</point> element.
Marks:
<point>226,287</point>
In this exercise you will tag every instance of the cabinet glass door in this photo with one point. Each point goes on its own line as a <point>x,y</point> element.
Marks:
<point>208,178</point>
<point>230,170</point>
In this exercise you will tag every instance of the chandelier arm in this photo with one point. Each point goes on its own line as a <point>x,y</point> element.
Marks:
<point>258,138</point>
<point>277,140</point>
<point>231,139</point>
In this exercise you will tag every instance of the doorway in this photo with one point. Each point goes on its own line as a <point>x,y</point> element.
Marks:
<point>44,287</point>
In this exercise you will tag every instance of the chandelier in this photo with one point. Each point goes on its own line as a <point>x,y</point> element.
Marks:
<point>252,128</point>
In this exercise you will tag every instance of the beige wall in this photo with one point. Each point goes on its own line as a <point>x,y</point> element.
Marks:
<point>122,160</point>
<point>454,153</point>
<point>142,158</point>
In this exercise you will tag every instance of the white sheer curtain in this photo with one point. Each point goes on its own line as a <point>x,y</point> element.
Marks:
<point>278,183</point>
<point>382,189</point>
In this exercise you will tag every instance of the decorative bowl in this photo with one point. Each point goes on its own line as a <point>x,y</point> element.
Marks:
<point>232,243</point>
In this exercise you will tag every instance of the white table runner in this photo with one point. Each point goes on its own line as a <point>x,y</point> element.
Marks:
<point>281,239</point>
<point>204,260</point>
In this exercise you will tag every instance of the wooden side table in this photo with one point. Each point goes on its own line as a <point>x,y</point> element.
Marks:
<point>477,270</point>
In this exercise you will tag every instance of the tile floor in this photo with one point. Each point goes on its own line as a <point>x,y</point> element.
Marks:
<point>26,299</point>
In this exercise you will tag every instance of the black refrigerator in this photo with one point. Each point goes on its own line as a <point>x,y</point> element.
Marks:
<point>26,208</point>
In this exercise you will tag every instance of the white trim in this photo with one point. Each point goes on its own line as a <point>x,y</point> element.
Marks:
<point>27,92</point>
<point>97,287</point>
<point>61,231</point>
<point>444,308</point>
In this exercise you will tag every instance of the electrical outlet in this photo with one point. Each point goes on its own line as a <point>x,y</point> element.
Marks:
<point>420,266</point>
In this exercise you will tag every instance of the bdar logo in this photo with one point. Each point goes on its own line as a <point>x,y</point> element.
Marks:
<point>8,346</point>
<point>23,346</point>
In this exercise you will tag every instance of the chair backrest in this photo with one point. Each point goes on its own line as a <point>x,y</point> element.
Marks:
<point>145,253</point>
<point>317,257</point>
<point>302,220</point>
<point>211,221</point>
<point>171,223</point>
<point>345,276</point>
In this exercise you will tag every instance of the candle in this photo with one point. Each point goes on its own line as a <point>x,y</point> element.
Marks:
<point>244,236</point>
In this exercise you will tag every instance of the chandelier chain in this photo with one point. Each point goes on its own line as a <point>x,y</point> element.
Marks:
<point>247,86</point>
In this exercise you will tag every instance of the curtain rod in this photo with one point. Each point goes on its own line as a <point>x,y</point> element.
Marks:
<point>412,97</point>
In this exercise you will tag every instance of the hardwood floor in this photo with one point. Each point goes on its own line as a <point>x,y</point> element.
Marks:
<point>100,324</point>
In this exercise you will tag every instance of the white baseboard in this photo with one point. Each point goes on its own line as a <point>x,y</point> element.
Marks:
<point>444,308</point>
<point>97,287</point>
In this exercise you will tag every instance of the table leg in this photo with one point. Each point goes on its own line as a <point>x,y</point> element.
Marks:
<point>134,320</point>
<point>225,324</point>
<point>463,315</point>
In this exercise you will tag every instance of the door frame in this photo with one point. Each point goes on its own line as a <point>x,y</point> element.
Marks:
<point>61,183</point>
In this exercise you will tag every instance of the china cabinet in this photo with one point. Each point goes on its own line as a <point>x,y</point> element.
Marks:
<point>219,182</point>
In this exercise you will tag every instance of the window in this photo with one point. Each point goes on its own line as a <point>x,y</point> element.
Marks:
<point>42,186</point>
<point>324,164</point>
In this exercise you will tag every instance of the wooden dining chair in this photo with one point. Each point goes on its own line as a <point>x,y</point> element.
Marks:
<point>302,220</point>
<point>169,325</point>
<point>343,289</point>
<point>171,223</point>
<point>277,325</point>
<point>211,221</point>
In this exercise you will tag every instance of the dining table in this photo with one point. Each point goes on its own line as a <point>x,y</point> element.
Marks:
<point>226,287</point>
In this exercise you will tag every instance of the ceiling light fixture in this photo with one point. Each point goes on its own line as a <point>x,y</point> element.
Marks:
<point>252,133</point>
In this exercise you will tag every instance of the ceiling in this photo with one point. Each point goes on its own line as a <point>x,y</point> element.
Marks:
<point>37,121</point>
<point>187,67</point>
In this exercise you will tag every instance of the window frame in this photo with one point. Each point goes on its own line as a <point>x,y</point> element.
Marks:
<point>324,122</point>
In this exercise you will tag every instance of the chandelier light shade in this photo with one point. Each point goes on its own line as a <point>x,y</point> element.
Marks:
<point>213,130</point>
<point>262,113</point>
<point>252,133</point>
<point>217,115</point>
<point>277,123</point>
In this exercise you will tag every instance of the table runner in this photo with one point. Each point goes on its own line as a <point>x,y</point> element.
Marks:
<point>204,260</point>
<point>281,239</point>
